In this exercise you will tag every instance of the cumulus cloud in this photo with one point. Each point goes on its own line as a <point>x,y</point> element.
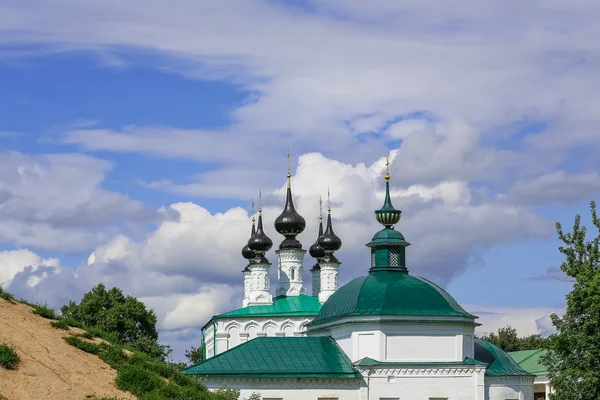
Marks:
<point>527,321</point>
<point>56,202</point>
<point>556,187</point>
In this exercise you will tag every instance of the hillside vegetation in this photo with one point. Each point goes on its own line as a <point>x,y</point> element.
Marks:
<point>46,355</point>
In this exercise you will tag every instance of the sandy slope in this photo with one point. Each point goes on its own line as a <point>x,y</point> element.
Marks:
<point>50,368</point>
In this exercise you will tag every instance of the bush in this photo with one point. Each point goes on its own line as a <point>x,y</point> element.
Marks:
<point>88,347</point>
<point>60,324</point>
<point>9,358</point>
<point>138,380</point>
<point>44,311</point>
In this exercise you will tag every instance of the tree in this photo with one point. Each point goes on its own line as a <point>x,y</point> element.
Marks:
<point>508,340</point>
<point>194,355</point>
<point>573,359</point>
<point>112,311</point>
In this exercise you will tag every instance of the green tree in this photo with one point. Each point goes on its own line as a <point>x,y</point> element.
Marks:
<point>112,311</point>
<point>573,361</point>
<point>508,340</point>
<point>194,355</point>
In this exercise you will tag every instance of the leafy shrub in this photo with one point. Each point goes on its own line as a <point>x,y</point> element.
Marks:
<point>44,311</point>
<point>60,324</point>
<point>138,380</point>
<point>9,358</point>
<point>88,347</point>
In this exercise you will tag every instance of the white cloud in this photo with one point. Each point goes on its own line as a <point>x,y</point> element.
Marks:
<point>527,321</point>
<point>55,202</point>
<point>559,187</point>
<point>14,261</point>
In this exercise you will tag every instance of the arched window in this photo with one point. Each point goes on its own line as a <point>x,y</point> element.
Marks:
<point>292,274</point>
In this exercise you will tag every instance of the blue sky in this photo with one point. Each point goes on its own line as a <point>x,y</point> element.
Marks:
<point>145,143</point>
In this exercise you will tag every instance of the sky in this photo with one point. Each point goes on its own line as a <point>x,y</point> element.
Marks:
<point>135,135</point>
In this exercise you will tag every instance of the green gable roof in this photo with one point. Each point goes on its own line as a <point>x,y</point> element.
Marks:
<point>283,357</point>
<point>389,293</point>
<point>282,306</point>
<point>529,360</point>
<point>499,362</point>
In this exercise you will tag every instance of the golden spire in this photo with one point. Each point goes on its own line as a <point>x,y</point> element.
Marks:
<point>387,171</point>
<point>289,175</point>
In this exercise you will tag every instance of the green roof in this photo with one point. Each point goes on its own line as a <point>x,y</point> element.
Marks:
<point>384,293</point>
<point>529,360</point>
<point>369,362</point>
<point>282,306</point>
<point>388,236</point>
<point>283,357</point>
<point>499,362</point>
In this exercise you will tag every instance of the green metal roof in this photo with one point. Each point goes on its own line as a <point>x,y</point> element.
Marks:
<point>499,362</point>
<point>297,357</point>
<point>388,236</point>
<point>369,362</point>
<point>282,306</point>
<point>529,360</point>
<point>389,293</point>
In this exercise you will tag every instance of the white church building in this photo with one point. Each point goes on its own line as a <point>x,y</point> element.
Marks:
<point>388,335</point>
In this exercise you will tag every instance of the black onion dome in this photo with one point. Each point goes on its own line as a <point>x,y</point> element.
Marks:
<point>259,242</point>
<point>246,252</point>
<point>329,242</point>
<point>289,223</point>
<point>315,250</point>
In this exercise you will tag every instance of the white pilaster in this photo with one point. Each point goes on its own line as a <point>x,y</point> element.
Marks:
<point>260,284</point>
<point>290,272</point>
<point>316,282</point>
<point>247,287</point>
<point>329,279</point>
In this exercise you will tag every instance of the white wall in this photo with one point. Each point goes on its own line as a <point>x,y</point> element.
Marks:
<point>294,389</point>
<point>508,388</point>
<point>233,332</point>
<point>403,342</point>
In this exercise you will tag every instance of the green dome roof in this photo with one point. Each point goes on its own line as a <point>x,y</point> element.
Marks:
<point>388,293</point>
<point>499,362</point>
<point>388,236</point>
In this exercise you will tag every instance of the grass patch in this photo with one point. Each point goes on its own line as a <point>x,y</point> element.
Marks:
<point>9,358</point>
<point>88,347</point>
<point>60,324</point>
<point>8,297</point>
<point>44,311</point>
<point>93,332</point>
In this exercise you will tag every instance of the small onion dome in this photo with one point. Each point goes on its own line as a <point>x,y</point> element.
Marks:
<point>315,250</point>
<point>259,242</point>
<point>387,215</point>
<point>246,252</point>
<point>329,242</point>
<point>289,223</point>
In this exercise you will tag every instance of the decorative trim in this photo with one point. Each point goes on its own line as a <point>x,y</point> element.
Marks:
<point>375,372</point>
<point>287,383</point>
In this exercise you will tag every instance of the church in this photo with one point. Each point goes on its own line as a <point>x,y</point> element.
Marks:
<point>387,335</point>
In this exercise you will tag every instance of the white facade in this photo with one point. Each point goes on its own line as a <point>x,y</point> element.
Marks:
<point>290,272</point>
<point>401,341</point>
<point>395,381</point>
<point>329,280</point>
<point>259,285</point>
<point>226,333</point>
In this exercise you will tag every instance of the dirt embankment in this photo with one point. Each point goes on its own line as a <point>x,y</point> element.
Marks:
<point>50,368</point>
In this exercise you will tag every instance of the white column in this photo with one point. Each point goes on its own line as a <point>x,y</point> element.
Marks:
<point>316,282</point>
<point>547,390</point>
<point>247,287</point>
<point>329,279</point>
<point>290,272</point>
<point>260,292</point>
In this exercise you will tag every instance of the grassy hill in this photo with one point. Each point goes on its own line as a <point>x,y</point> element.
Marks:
<point>43,356</point>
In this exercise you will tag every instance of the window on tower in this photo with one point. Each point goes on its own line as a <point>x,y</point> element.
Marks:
<point>292,274</point>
